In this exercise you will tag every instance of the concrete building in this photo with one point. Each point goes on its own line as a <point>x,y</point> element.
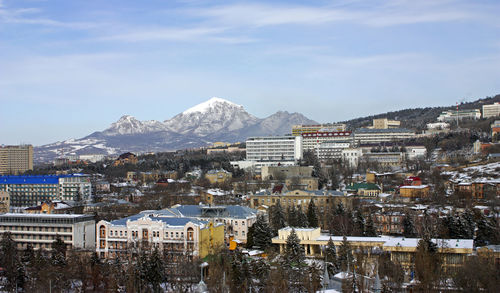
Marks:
<point>161,229</point>
<point>29,190</point>
<point>4,202</point>
<point>284,172</point>
<point>351,156</point>
<point>41,230</point>
<point>384,123</point>
<point>274,148</point>
<point>453,252</point>
<point>491,110</point>
<point>93,158</point>
<point>375,136</point>
<point>298,130</point>
<point>16,159</point>
<point>391,159</point>
<point>312,140</point>
<point>454,115</point>
<point>495,128</point>
<point>414,191</point>
<point>364,189</point>
<point>332,150</point>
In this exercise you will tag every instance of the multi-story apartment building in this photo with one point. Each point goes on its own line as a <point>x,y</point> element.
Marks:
<point>391,159</point>
<point>491,110</point>
<point>298,130</point>
<point>350,156</point>
<point>161,229</point>
<point>313,140</point>
<point>236,219</point>
<point>454,115</point>
<point>274,148</point>
<point>384,123</point>
<point>29,190</point>
<point>41,230</point>
<point>4,202</point>
<point>375,136</point>
<point>16,159</point>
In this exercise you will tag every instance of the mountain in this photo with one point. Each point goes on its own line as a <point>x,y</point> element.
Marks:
<point>214,120</point>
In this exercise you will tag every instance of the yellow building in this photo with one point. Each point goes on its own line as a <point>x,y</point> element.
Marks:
<point>414,191</point>
<point>54,207</point>
<point>218,176</point>
<point>453,252</point>
<point>384,123</point>
<point>298,130</point>
<point>304,183</point>
<point>323,199</point>
<point>4,202</point>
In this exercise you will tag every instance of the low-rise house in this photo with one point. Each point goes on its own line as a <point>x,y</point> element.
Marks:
<point>218,176</point>
<point>51,207</point>
<point>126,158</point>
<point>414,191</point>
<point>364,189</point>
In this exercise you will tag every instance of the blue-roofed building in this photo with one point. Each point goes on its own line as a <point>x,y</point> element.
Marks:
<point>236,219</point>
<point>167,230</point>
<point>29,190</point>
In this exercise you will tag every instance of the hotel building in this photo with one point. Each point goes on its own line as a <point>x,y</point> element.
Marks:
<point>16,159</point>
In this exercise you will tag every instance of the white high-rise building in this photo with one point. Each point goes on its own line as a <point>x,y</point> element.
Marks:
<point>491,110</point>
<point>274,148</point>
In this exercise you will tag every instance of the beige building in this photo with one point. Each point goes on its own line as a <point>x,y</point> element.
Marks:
<point>16,159</point>
<point>323,199</point>
<point>41,230</point>
<point>297,130</point>
<point>453,252</point>
<point>4,202</point>
<point>303,183</point>
<point>177,235</point>
<point>284,172</point>
<point>218,176</point>
<point>384,123</point>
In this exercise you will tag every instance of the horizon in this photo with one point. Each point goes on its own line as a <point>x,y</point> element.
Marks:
<point>73,68</point>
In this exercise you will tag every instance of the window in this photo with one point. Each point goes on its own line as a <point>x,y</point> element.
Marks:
<point>176,234</point>
<point>236,233</point>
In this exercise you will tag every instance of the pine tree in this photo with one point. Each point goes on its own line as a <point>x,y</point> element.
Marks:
<point>250,233</point>
<point>294,253</point>
<point>262,234</point>
<point>331,257</point>
<point>408,227</point>
<point>9,260</point>
<point>277,218</point>
<point>292,216</point>
<point>370,230</point>
<point>345,255</point>
<point>301,218</point>
<point>58,252</point>
<point>155,271</point>
<point>359,224</point>
<point>312,217</point>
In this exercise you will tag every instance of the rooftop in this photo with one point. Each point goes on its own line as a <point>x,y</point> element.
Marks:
<point>36,179</point>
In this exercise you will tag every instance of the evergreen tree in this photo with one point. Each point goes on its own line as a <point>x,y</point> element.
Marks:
<point>250,233</point>
<point>301,218</point>
<point>408,227</point>
<point>487,232</point>
<point>9,261</point>
<point>292,216</point>
<point>340,210</point>
<point>262,234</point>
<point>277,218</point>
<point>331,257</point>
<point>155,271</point>
<point>370,230</point>
<point>359,224</point>
<point>312,217</point>
<point>58,252</point>
<point>345,257</point>
<point>294,253</point>
<point>427,264</point>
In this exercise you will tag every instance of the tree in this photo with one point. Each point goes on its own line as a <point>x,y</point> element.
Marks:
<point>262,234</point>
<point>331,257</point>
<point>301,218</point>
<point>277,218</point>
<point>359,224</point>
<point>155,271</point>
<point>408,227</point>
<point>292,216</point>
<point>250,233</point>
<point>294,253</point>
<point>370,230</point>
<point>345,257</point>
<point>427,264</point>
<point>312,217</point>
<point>9,260</point>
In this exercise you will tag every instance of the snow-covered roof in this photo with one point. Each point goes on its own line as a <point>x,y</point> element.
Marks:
<point>441,243</point>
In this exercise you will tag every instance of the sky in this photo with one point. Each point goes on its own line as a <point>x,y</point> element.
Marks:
<point>69,68</point>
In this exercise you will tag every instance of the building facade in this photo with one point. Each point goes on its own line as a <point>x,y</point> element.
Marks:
<point>218,176</point>
<point>148,229</point>
<point>41,230</point>
<point>384,123</point>
<point>375,136</point>
<point>454,115</point>
<point>4,202</point>
<point>491,110</point>
<point>274,148</point>
<point>298,130</point>
<point>311,141</point>
<point>29,190</point>
<point>16,159</point>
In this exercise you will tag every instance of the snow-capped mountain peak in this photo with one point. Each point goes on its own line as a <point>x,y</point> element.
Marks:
<point>130,125</point>
<point>210,104</point>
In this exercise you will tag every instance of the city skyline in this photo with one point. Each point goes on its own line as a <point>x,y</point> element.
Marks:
<point>74,68</point>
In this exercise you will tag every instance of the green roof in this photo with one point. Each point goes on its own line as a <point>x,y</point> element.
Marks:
<point>362,185</point>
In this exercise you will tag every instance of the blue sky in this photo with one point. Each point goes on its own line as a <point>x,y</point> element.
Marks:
<point>68,68</point>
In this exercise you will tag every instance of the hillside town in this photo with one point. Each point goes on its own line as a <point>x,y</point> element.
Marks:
<point>377,206</point>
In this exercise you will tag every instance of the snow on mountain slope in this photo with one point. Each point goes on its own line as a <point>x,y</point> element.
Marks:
<point>130,125</point>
